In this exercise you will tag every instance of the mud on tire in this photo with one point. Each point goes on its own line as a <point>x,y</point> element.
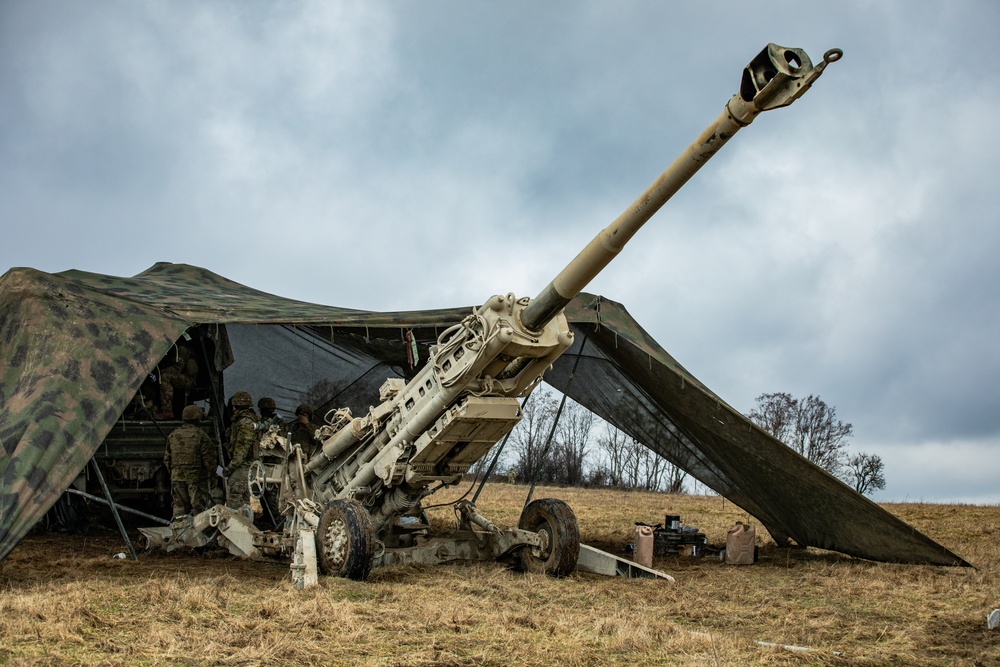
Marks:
<point>556,520</point>
<point>345,540</point>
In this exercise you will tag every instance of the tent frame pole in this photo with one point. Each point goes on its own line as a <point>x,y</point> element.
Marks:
<point>493,463</point>
<point>555,423</point>
<point>123,508</point>
<point>496,458</point>
<point>114,509</point>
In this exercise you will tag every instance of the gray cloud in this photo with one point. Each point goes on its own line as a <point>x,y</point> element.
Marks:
<point>429,155</point>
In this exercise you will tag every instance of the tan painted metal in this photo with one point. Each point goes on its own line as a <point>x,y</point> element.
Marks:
<point>775,78</point>
<point>429,430</point>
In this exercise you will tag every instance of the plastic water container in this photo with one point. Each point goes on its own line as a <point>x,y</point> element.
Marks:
<point>643,541</point>
<point>740,543</point>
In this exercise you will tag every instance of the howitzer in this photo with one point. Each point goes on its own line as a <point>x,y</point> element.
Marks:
<point>357,501</point>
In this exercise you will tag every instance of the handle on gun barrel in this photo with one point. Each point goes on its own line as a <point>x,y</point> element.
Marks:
<point>775,78</point>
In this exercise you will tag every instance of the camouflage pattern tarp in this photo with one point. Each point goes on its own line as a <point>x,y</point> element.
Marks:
<point>624,376</point>
<point>76,346</point>
<point>71,359</point>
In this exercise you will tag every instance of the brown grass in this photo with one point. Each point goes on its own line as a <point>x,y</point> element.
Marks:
<point>65,601</point>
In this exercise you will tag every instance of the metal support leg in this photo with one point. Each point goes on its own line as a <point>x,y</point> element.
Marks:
<point>114,509</point>
<point>555,423</point>
<point>98,499</point>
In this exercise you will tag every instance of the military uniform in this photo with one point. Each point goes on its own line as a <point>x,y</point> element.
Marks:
<point>191,460</point>
<point>268,417</point>
<point>304,434</point>
<point>181,374</point>
<point>243,443</point>
<point>267,423</point>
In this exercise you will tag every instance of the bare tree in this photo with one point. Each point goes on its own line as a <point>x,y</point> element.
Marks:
<point>866,472</point>
<point>776,414</point>
<point>614,442</point>
<point>319,394</point>
<point>809,426</point>
<point>635,468</point>
<point>630,464</point>
<point>820,436</point>
<point>528,437</point>
<point>656,468</point>
<point>571,459</point>
<point>572,443</point>
<point>484,463</point>
<point>674,478</point>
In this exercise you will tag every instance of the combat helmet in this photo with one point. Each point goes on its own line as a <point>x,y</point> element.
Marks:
<point>304,409</point>
<point>241,400</point>
<point>192,413</point>
<point>266,403</point>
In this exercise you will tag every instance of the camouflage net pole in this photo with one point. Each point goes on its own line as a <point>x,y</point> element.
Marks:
<point>114,509</point>
<point>555,423</point>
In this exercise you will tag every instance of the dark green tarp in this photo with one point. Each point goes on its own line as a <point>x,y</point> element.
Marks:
<point>76,346</point>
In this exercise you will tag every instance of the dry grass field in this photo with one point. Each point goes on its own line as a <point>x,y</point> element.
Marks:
<point>65,601</point>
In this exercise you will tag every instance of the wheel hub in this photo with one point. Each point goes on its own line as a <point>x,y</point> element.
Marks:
<point>544,539</point>
<point>335,542</point>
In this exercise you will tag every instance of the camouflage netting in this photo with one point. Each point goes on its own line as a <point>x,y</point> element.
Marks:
<point>76,346</point>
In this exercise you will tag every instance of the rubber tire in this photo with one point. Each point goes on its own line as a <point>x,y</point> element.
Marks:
<point>557,519</point>
<point>352,521</point>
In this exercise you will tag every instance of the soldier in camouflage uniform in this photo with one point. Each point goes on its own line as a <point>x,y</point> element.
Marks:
<point>191,460</point>
<point>268,416</point>
<point>243,449</point>
<point>179,370</point>
<point>303,430</point>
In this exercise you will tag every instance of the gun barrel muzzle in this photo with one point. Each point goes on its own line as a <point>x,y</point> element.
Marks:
<point>776,77</point>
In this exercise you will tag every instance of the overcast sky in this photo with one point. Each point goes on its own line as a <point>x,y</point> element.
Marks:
<point>404,155</point>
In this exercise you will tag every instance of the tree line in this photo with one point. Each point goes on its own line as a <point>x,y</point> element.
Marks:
<point>560,442</point>
<point>810,427</point>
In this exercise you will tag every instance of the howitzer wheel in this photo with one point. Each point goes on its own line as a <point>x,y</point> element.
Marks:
<point>556,521</point>
<point>345,540</point>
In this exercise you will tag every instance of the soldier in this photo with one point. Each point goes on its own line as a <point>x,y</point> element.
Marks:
<point>304,431</point>
<point>178,371</point>
<point>242,443</point>
<point>191,460</point>
<point>267,408</point>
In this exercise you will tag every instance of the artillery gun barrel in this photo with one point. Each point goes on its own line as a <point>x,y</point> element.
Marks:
<point>431,429</point>
<point>775,78</point>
